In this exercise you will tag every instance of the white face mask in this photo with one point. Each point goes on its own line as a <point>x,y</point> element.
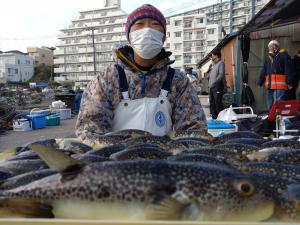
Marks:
<point>147,42</point>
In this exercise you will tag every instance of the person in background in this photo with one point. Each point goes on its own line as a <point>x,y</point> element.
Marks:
<point>276,73</point>
<point>216,84</point>
<point>141,91</point>
<point>192,78</point>
<point>296,69</point>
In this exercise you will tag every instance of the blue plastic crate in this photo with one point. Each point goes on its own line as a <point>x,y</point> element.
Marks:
<point>38,121</point>
<point>219,124</point>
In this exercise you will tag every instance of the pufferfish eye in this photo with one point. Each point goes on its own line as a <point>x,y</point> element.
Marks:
<point>244,187</point>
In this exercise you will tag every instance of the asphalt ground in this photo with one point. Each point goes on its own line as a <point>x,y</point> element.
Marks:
<point>19,138</point>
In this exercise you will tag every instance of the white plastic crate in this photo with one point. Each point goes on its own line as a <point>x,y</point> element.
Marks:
<point>22,125</point>
<point>64,113</point>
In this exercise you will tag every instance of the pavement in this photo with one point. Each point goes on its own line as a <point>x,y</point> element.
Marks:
<point>19,138</point>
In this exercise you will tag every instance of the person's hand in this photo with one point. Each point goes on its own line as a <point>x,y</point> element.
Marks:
<point>290,87</point>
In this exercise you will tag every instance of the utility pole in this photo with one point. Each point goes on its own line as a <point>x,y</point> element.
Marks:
<point>94,49</point>
<point>231,16</point>
<point>253,8</point>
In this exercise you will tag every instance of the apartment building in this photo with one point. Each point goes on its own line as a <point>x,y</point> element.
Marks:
<point>15,66</point>
<point>85,46</point>
<point>41,55</point>
<point>189,38</point>
<point>231,14</point>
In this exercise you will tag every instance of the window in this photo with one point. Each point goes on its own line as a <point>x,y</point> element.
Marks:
<point>177,34</point>
<point>43,55</point>
<point>211,43</point>
<point>177,57</point>
<point>110,29</point>
<point>210,31</point>
<point>112,20</point>
<point>177,22</point>
<point>19,61</point>
<point>168,34</point>
<point>16,71</point>
<point>187,23</point>
<point>199,20</point>
<point>188,35</point>
<point>103,14</point>
<point>177,46</point>
<point>8,70</point>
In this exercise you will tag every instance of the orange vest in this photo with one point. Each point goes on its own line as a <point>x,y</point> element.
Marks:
<point>276,82</point>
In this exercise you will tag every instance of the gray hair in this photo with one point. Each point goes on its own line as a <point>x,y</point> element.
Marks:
<point>274,42</point>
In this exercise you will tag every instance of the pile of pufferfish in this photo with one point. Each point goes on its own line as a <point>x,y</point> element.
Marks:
<point>132,175</point>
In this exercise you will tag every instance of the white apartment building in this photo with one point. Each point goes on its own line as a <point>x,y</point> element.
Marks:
<point>231,14</point>
<point>189,38</point>
<point>15,66</point>
<point>88,42</point>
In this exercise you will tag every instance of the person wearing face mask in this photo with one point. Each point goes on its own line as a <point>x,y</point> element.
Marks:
<point>276,73</point>
<point>141,91</point>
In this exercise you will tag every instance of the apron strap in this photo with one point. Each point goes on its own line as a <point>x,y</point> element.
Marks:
<point>123,84</point>
<point>166,87</point>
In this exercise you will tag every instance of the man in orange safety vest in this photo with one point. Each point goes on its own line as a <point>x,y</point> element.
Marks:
<point>276,73</point>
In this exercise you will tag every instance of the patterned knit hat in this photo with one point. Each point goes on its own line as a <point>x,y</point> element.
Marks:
<point>145,11</point>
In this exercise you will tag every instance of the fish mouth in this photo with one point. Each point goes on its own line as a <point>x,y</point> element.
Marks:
<point>259,212</point>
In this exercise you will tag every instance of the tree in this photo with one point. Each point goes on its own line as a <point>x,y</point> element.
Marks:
<point>42,73</point>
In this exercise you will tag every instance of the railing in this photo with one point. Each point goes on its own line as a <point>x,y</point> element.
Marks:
<point>187,38</point>
<point>187,49</point>
<point>200,37</point>
<point>58,61</point>
<point>200,48</point>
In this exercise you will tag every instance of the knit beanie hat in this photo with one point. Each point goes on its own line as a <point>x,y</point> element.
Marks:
<point>145,11</point>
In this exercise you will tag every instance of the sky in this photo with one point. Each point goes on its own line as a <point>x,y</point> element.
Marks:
<point>36,23</point>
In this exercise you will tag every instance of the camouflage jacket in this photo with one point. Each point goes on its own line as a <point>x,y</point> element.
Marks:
<point>102,95</point>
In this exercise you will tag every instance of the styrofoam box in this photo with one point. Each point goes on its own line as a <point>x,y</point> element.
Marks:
<point>64,113</point>
<point>22,125</point>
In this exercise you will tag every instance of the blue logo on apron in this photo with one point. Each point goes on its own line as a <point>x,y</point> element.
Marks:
<point>160,119</point>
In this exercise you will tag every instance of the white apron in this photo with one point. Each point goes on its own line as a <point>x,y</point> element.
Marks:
<point>148,114</point>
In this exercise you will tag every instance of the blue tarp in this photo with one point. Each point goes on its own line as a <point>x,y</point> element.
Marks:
<point>41,84</point>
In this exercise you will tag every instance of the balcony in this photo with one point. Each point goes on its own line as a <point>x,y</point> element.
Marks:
<point>187,61</point>
<point>59,61</point>
<point>71,51</point>
<point>200,37</point>
<point>60,79</point>
<point>187,38</point>
<point>59,70</point>
<point>200,49</point>
<point>59,52</point>
<point>187,49</point>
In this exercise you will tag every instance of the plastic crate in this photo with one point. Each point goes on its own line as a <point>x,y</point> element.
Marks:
<point>37,111</point>
<point>64,113</point>
<point>38,121</point>
<point>218,127</point>
<point>53,120</point>
<point>22,125</point>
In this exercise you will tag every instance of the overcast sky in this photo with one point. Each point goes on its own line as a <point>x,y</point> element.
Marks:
<point>25,23</point>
